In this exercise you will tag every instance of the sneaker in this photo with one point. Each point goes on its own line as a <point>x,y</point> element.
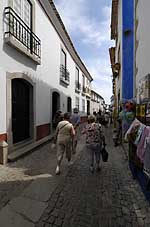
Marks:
<point>57,170</point>
<point>92,169</point>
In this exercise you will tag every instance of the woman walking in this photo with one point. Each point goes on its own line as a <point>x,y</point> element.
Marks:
<point>64,135</point>
<point>95,140</point>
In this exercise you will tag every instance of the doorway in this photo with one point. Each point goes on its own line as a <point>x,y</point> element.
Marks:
<point>69,105</point>
<point>55,103</point>
<point>88,107</point>
<point>22,106</point>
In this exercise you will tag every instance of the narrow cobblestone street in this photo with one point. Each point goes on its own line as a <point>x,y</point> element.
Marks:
<point>31,194</point>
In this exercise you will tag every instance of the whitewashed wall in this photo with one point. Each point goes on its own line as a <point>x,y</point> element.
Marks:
<point>95,106</point>
<point>2,101</point>
<point>46,76</point>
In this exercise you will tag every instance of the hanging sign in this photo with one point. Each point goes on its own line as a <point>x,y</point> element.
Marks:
<point>142,110</point>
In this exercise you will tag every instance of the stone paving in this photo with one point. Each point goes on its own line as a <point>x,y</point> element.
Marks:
<point>31,194</point>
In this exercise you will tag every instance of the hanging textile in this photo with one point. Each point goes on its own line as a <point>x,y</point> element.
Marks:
<point>147,159</point>
<point>141,147</point>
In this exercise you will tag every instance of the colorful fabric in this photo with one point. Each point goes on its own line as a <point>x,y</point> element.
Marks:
<point>147,159</point>
<point>127,119</point>
<point>133,156</point>
<point>93,133</point>
<point>139,134</point>
<point>132,130</point>
<point>141,147</point>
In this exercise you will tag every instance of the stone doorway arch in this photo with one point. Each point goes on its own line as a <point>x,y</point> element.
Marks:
<point>20,109</point>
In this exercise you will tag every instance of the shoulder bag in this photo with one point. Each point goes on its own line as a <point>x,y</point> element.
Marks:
<point>104,154</point>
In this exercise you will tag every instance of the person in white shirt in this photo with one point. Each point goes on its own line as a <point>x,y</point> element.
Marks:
<point>64,134</point>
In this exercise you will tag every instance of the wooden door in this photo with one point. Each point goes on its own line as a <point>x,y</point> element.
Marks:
<point>20,110</point>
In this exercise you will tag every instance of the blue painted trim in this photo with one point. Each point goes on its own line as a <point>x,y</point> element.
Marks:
<point>127,48</point>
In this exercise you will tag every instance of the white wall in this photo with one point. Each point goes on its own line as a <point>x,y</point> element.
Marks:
<point>94,106</point>
<point>143,38</point>
<point>2,102</point>
<point>46,76</point>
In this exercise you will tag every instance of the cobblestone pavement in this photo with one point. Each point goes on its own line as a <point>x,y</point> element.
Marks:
<point>16,176</point>
<point>31,194</point>
<point>103,199</point>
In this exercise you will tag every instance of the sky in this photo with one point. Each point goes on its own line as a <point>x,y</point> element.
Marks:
<point>88,25</point>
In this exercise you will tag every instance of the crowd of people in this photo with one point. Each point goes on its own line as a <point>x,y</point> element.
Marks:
<point>67,131</point>
<point>103,118</point>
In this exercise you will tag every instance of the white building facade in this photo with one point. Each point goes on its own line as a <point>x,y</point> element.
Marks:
<point>116,52</point>
<point>97,102</point>
<point>139,62</point>
<point>40,71</point>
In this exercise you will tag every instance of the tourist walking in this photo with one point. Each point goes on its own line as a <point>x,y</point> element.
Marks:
<point>57,118</point>
<point>75,120</point>
<point>94,140</point>
<point>106,119</point>
<point>64,135</point>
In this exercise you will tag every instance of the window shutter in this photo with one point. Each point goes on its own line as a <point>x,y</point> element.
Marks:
<point>63,58</point>
<point>27,12</point>
<point>17,6</point>
<point>24,9</point>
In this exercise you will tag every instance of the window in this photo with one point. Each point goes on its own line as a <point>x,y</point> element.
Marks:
<point>24,9</point>
<point>64,74</point>
<point>77,83</point>
<point>19,21</point>
<point>83,80</point>
<point>83,84</point>
<point>77,103</point>
<point>63,58</point>
<point>77,74</point>
<point>87,82</point>
<point>83,105</point>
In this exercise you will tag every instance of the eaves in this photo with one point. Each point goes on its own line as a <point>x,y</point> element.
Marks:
<point>55,19</point>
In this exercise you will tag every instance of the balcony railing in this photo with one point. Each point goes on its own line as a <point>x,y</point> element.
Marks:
<point>17,28</point>
<point>88,91</point>
<point>77,86</point>
<point>64,74</point>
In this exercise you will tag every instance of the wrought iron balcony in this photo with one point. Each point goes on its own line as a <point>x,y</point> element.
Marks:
<point>64,75</point>
<point>17,28</point>
<point>77,86</point>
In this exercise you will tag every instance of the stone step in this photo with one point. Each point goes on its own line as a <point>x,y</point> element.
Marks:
<point>24,150</point>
